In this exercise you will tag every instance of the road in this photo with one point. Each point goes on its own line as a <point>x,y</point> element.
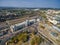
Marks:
<point>46,33</point>
<point>10,35</point>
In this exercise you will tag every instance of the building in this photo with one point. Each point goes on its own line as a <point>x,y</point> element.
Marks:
<point>18,24</point>
<point>54,19</point>
<point>4,28</point>
<point>21,25</point>
<point>1,33</point>
<point>52,11</point>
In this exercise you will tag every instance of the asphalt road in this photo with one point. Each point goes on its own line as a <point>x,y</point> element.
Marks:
<point>9,36</point>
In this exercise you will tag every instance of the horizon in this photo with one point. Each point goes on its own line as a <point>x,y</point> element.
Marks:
<point>29,7</point>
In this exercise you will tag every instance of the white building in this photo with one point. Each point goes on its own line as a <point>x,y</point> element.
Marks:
<point>21,25</point>
<point>18,26</point>
<point>52,11</point>
<point>54,19</point>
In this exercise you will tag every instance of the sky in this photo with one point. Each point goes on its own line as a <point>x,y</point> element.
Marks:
<point>30,3</point>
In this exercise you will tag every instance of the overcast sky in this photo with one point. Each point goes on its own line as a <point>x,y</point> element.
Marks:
<point>30,3</point>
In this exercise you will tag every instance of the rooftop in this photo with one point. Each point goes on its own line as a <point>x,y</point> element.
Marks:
<point>15,21</point>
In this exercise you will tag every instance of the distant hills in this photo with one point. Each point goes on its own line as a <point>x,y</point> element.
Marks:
<point>28,8</point>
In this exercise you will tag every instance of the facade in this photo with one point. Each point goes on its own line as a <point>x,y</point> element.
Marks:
<point>17,26</point>
<point>23,24</point>
<point>54,19</point>
<point>1,33</point>
<point>52,11</point>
